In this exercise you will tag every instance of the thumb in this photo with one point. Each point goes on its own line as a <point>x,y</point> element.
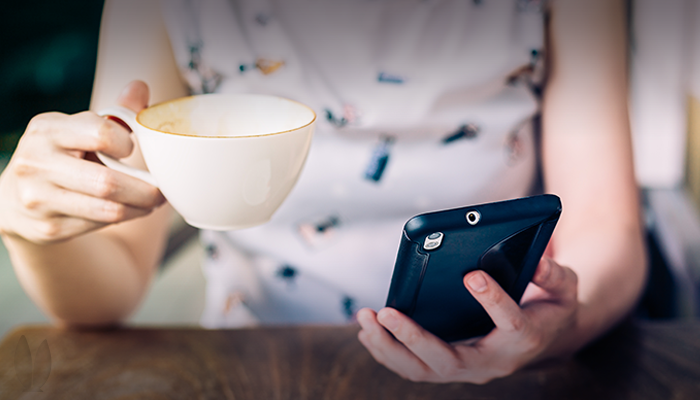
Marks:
<point>134,96</point>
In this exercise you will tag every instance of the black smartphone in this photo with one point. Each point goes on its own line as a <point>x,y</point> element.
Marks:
<point>506,239</point>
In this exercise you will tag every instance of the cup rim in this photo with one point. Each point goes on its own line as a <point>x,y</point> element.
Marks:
<point>226,95</point>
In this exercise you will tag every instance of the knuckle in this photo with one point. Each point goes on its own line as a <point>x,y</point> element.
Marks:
<point>85,114</point>
<point>376,339</point>
<point>38,123</point>
<point>559,278</point>
<point>411,336</point>
<point>22,166</point>
<point>114,212</point>
<point>104,135</point>
<point>112,136</point>
<point>49,230</point>
<point>42,123</point>
<point>154,196</point>
<point>449,369</point>
<point>518,323</point>
<point>29,198</point>
<point>106,184</point>
<point>494,296</point>
<point>370,337</point>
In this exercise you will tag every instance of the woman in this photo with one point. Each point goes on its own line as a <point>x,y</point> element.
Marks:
<point>445,85</point>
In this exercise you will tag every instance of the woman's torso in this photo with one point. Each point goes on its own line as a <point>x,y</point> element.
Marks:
<point>421,105</point>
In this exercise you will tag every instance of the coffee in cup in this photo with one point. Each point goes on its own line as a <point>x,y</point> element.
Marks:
<point>224,161</point>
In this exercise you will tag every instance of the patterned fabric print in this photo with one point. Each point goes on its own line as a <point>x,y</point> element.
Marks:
<point>199,76</point>
<point>515,146</point>
<point>384,77</point>
<point>537,75</point>
<point>287,273</point>
<point>294,289</point>
<point>211,251</point>
<point>290,275</point>
<point>229,284</point>
<point>350,115</point>
<point>349,307</point>
<point>264,65</point>
<point>237,292</point>
<point>530,75</point>
<point>319,233</point>
<point>467,131</point>
<point>379,159</point>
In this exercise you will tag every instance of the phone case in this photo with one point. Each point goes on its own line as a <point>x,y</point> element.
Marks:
<point>507,241</point>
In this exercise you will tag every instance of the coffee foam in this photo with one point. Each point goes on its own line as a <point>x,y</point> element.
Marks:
<point>220,115</point>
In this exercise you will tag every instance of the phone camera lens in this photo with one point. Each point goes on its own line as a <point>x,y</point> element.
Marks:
<point>433,241</point>
<point>473,217</point>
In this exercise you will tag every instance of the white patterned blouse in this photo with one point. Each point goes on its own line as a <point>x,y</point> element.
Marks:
<point>422,105</point>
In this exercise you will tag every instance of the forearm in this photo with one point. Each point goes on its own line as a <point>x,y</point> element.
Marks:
<point>587,161</point>
<point>99,277</point>
<point>610,263</point>
<point>88,280</point>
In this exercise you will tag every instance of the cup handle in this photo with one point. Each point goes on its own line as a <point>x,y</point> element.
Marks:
<point>128,117</point>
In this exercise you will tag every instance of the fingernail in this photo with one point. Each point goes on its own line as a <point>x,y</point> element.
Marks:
<point>120,122</point>
<point>477,282</point>
<point>388,319</point>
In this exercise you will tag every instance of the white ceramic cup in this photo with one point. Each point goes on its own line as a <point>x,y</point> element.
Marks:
<point>223,161</point>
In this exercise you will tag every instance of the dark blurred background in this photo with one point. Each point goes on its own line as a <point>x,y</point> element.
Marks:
<point>48,58</point>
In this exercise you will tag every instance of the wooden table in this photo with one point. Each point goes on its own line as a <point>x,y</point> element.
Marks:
<point>639,360</point>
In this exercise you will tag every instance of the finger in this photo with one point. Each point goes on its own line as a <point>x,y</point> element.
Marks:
<point>534,293</point>
<point>95,133</point>
<point>555,279</point>
<point>46,201</point>
<point>439,356</point>
<point>99,181</point>
<point>505,313</point>
<point>72,204</point>
<point>387,351</point>
<point>85,131</point>
<point>134,96</point>
<point>54,229</point>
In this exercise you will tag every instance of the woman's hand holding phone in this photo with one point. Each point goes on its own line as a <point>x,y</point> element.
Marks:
<point>523,334</point>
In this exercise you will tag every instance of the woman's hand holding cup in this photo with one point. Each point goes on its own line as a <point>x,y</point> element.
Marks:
<point>50,192</point>
<point>223,161</point>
